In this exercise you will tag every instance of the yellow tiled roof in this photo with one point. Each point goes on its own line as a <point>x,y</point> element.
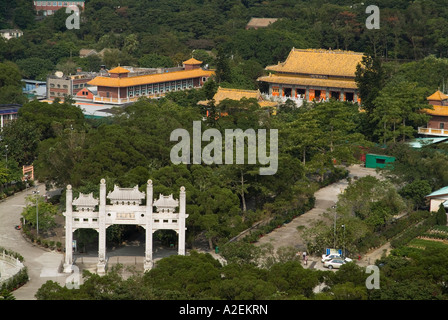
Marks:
<point>192,61</point>
<point>119,70</point>
<point>438,111</point>
<point>238,94</point>
<point>150,78</point>
<point>314,82</point>
<point>320,62</point>
<point>438,95</point>
<point>235,94</point>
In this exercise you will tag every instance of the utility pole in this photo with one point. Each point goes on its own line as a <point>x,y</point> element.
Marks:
<point>334,232</point>
<point>36,193</point>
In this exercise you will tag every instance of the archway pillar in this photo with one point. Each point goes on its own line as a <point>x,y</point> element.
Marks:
<point>148,264</point>
<point>68,231</point>
<point>101,266</point>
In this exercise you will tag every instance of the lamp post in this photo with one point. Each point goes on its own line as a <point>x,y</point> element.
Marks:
<point>334,232</point>
<point>37,210</point>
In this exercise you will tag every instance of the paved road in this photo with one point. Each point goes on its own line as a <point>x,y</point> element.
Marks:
<point>288,234</point>
<point>42,264</point>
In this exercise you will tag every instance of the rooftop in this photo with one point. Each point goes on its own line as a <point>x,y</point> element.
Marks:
<point>150,78</point>
<point>238,94</point>
<point>320,62</point>
<point>119,70</point>
<point>308,81</point>
<point>260,22</point>
<point>438,95</point>
<point>441,192</point>
<point>192,61</point>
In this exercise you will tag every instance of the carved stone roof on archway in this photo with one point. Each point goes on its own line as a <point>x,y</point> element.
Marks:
<point>85,201</point>
<point>126,195</point>
<point>166,203</point>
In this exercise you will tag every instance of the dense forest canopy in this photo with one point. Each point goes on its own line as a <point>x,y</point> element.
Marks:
<point>173,29</point>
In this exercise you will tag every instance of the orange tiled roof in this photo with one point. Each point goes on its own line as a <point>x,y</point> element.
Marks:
<point>314,82</point>
<point>238,94</point>
<point>150,78</point>
<point>235,94</point>
<point>438,111</point>
<point>320,62</point>
<point>119,70</point>
<point>438,95</point>
<point>192,61</point>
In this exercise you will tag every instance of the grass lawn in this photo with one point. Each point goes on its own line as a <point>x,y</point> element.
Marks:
<point>423,244</point>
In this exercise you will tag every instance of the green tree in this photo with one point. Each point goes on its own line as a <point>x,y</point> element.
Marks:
<point>370,80</point>
<point>416,191</point>
<point>46,213</point>
<point>398,110</point>
<point>35,68</point>
<point>154,60</point>
<point>441,218</point>
<point>10,84</point>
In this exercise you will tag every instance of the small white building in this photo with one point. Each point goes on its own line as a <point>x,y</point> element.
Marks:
<point>11,33</point>
<point>438,197</point>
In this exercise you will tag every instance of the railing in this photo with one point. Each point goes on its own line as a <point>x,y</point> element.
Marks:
<point>298,101</point>
<point>9,266</point>
<point>114,100</point>
<point>433,131</point>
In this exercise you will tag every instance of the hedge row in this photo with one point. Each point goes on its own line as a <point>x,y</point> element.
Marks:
<point>402,224</point>
<point>18,280</point>
<point>414,232</point>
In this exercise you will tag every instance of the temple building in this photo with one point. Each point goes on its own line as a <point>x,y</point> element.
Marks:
<point>120,87</point>
<point>315,75</point>
<point>48,8</point>
<point>238,94</point>
<point>438,124</point>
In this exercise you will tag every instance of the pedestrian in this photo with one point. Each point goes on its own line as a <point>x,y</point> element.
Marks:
<point>304,255</point>
<point>306,260</point>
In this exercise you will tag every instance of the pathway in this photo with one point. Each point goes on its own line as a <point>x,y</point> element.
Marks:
<point>288,234</point>
<point>42,264</point>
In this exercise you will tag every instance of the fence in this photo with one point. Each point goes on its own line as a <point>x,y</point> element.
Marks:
<point>9,267</point>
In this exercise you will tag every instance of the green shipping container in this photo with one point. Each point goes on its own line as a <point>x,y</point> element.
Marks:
<point>379,161</point>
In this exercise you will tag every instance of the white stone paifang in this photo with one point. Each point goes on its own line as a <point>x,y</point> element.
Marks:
<point>125,208</point>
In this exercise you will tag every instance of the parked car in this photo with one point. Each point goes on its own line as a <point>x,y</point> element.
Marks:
<point>334,263</point>
<point>334,256</point>
<point>328,257</point>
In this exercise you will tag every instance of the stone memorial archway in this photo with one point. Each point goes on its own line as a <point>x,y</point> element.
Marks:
<point>125,208</point>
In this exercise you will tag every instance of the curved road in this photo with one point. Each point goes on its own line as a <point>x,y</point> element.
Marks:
<point>42,265</point>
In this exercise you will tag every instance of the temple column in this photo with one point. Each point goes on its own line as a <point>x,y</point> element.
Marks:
<point>182,217</point>
<point>148,232</point>
<point>68,230</point>
<point>101,266</point>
